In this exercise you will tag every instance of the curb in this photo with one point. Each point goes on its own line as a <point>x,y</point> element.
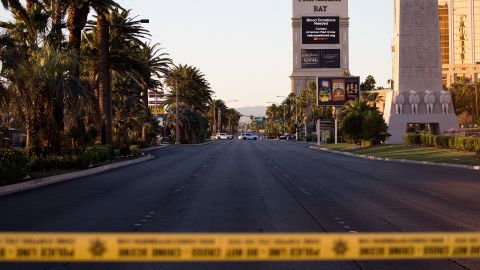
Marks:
<point>156,147</point>
<point>447,165</point>
<point>197,144</point>
<point>5,190</point>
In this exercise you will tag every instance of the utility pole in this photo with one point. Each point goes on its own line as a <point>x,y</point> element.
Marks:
<point>296,118</point>
<point>219,120</point>
<point>476,99</point>
<point>177,127</point>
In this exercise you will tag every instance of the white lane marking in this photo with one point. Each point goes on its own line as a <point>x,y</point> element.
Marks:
<point>152,212</point>
<point>137,225</point>
<point>148,216</point>
<point>204,166</point>
<point>346,227</point>
<point>378,177</point>
<point>286,176</point>
<point>353,232</point>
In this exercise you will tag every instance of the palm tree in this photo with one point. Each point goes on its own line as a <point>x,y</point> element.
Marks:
<point>372,98</point>
<point>352,116</point>
<point>194,93</point>
<point>104,77</point>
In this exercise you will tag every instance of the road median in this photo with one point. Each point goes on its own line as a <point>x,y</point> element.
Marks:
<point>407,154</point>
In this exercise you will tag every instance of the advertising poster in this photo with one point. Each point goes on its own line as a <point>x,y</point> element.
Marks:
<point>321,58</point>
<point>324,90</point>
<point>330,58</point>
<point>321,30</point>
<point>157,109</point>
<point>337,91</point>
<point>352,86</point>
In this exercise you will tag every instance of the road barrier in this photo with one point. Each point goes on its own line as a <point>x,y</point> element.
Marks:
<point>59,247</point>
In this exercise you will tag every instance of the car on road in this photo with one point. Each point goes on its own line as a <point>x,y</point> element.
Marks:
<point>224,136</point>
<point>248,136</point>
<point>285,137</point>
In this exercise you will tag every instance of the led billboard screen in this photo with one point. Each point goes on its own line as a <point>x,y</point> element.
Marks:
<point>320,30</point>
<point>337,91</point>
<point>320,58</point>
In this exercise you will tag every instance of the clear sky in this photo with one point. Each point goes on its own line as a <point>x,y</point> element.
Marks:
<point>244,47</point>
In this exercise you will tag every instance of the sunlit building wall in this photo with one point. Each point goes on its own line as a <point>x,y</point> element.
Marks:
<point>460,39</point>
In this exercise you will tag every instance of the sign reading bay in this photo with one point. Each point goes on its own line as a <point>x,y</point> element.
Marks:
<point>337,91</point>
<point>321,30</point>
<point>321,58</point>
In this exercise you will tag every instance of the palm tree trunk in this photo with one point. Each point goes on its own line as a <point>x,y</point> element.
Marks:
<point>104,77</point>
<point>77,19</point>
<point>57,12</point>
<point>29,5</point>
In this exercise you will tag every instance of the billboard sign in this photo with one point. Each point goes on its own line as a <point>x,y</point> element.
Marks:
<point>321,58</point>
<point>157,109</point>
<point>321,30</point>
<point>337,91</point>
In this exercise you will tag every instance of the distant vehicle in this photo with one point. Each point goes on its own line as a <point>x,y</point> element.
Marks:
<point>224,136</point>
<point>285,137</point>
<point>248,136</point>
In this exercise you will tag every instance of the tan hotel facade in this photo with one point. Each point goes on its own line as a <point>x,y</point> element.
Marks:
<point>460,39</point>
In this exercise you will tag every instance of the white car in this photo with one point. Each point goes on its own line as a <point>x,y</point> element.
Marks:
<point>224,136</point>
<point>248,136</point>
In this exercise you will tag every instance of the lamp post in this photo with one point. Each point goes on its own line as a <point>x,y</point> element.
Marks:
<point>177,128</point>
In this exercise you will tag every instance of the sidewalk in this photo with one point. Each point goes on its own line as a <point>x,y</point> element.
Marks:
<point>5,190</point>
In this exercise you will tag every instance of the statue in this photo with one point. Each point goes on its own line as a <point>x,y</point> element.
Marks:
<point>414,100</point>
<point>429,100</point>
<point>445,100</point>
<point>399,100</point>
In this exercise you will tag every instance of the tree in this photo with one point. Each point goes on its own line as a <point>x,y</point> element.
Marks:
<point>465,95</point>
<point>359,121</point>
<point>374,127</point>
<point>194,97</point>
<point>368,84</point>
<point>372,98</point>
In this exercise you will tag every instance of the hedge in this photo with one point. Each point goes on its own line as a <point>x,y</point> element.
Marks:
<point>470,144</point>
<point>12,166</point>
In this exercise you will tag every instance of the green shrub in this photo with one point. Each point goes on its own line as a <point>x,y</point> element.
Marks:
<point>50,163</point>
<point>470,144</point>
<point>412,139</point>
<point>12,166</point>
<point>135,150</point>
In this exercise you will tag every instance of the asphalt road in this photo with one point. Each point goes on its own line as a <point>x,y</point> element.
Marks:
<point>254,186</point>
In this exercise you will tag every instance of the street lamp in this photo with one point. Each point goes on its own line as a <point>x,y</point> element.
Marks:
<point>177,128</point>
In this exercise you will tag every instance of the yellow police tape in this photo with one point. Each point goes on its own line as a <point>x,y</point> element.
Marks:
<point>36,247</point>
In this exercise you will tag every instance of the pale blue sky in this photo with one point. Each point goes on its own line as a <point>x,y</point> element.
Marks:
<point>244,47</point>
